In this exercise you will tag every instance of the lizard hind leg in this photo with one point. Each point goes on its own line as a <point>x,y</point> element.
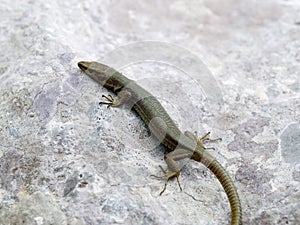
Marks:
<point>167,176</point>
<point>172,159</point>
<point>206,137</point>
<point>200,141</point>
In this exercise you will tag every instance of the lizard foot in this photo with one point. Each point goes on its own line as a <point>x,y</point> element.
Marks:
<point>110,101</point>
<point>168,175</point>
<point>201,140</point>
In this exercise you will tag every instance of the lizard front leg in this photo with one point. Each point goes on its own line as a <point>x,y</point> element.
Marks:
<point>123,97</point>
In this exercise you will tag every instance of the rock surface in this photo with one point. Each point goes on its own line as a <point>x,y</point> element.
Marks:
<point>229,67</point>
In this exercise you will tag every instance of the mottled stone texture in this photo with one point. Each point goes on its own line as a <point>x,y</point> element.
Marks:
<point>230,67</point>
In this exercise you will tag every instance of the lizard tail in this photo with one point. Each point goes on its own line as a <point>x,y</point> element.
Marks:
<point>227,184</point>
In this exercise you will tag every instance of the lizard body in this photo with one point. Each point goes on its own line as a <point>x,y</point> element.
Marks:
<point>180,145</point>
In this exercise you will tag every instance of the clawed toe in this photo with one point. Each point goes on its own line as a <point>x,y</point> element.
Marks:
<point>110,101</point>
<point>206,138</point>
<point>167,176</point>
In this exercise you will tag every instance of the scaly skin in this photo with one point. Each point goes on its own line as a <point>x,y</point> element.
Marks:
<point>181,145</point>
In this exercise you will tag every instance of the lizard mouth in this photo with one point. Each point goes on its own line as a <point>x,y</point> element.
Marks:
<point>84,65</point>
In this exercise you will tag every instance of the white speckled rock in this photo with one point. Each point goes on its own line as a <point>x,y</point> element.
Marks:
<point>229,67</point>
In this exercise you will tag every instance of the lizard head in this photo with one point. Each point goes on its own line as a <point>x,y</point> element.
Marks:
<point>97,71</point>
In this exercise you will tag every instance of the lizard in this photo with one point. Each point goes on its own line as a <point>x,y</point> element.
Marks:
<point>180,145</point>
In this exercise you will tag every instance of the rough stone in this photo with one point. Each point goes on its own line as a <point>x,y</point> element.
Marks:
<point>230,67</point>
